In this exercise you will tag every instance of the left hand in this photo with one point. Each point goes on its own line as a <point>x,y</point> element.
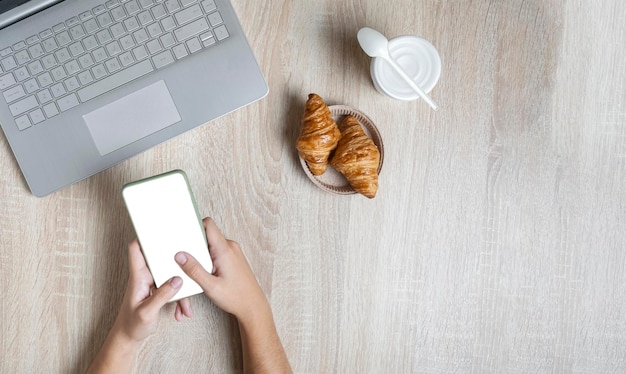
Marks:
<point>139,313</point>
<point>138,316</point>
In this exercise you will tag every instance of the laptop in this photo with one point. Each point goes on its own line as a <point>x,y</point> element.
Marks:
<point>86,84</point>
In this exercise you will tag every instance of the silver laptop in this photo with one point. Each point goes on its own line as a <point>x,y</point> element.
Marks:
<point>86,84</point>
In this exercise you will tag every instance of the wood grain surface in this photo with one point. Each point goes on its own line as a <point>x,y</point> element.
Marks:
<point>496,243</point>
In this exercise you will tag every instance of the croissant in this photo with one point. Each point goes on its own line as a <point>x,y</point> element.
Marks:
<point>357,158</point>
<point>319,135</point>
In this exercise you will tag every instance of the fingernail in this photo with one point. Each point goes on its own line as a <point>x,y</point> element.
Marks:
<point>177,282</point>
<point>180,258</point>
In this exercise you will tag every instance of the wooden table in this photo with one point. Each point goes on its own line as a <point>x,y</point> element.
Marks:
<point>496,243</point>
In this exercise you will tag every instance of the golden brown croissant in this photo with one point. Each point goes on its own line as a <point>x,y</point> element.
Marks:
<point>319,135</point>
<point>357,158</point>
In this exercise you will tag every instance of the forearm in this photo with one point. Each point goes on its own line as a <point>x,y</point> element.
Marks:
<point>117,354</point>
<point>262,349</point>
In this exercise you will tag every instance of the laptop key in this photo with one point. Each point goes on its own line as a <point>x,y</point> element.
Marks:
<point>50,45</point>
<point>145,3</point>
<point>104,19</point>
<point>37,116</point>
<point>209,6</point>
<point>168,23</point>
<point>131,24</point>
<point>58,90</point>
<point>32,39</point>
<point>167,40</point>
<point>84,15</point>
<point>98,9</point>
<point>154,29</point>
<point>188,14</point>
<point>85,77</point>
<point>23,106</point>
<point>141,36</point>
<point>36,51</point>
<point>71,84</point>
<point>172,5</point>
<point>58,73</point>
<point>22,57</point>
<point>159,11</point>
<point>126,59</point>
<point>145,18</point>
<point>115,80</point>
<point>44,96</point>
<point>118,13</point>
<point>221,33</point>
<point>76,49</point>
<point>140,53</point>
<point>180,51</point>
<point>7,81</point>
<point>91,26</point>
<point>45,79</point>
<point>22,74</point>
<point>77,32</point>
<point>49,61</point>
<point>63,38</point>
<point>112,65</point>
<point>19,45</point>
<point>72,67</point>
<point>132,7</point>
<point>9,63</point>
<point>72,22</point>
<point>162,59</point>
<point>31,85</point>
<point>191,29</point>
<point>194,45</point>
<point>90,42</point>
<point>45,33</point>
<point>117,30</point>
<point>14,93</point>
<point>215,19</point>
<point>35,67</point>
<point>51,110</point>
<point>22,123</point>
<point>67,102</point>
<point>153,46</point>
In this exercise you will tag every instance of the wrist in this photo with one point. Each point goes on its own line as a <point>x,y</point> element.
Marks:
<point>122,343</point>
<point>117,353</point>
<point>256,314</point>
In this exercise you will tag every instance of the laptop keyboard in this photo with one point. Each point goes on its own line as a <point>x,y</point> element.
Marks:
<point>99,50</point>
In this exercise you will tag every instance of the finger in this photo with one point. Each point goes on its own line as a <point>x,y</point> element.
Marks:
<point>214,236</point>
<point>194,270</point>
<point>136,262</point>
<point>178,314</point>
<point>163,294</point>
<point>185,307</point>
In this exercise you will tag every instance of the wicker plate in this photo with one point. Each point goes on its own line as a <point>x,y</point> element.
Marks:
<point>332,180</point>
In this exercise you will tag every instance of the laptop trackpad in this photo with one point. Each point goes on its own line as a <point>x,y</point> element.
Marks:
<point>132,117</point>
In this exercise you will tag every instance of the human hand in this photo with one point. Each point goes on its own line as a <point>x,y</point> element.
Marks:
<point>138,316</point>
<point>232,286</point>
<point>139,313</point>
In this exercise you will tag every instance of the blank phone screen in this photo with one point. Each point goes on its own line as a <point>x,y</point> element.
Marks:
<point>164,214</point>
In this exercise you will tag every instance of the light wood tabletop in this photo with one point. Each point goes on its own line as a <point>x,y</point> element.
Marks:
<point>496,242</point>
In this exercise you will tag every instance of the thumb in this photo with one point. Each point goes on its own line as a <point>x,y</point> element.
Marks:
<point>194,270</point>
<point>163,294</point>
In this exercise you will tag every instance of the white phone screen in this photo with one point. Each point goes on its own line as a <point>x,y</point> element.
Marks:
<point>166,220</point>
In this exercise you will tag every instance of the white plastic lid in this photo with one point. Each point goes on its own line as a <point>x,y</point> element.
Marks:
<point>419,59</point>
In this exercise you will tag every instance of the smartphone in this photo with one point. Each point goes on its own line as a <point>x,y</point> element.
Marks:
<point>166,221</point>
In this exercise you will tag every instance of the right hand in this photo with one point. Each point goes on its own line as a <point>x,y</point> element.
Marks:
<point>232,286</point>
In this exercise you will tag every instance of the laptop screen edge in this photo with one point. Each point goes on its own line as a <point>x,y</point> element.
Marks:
<point>24,10</point>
